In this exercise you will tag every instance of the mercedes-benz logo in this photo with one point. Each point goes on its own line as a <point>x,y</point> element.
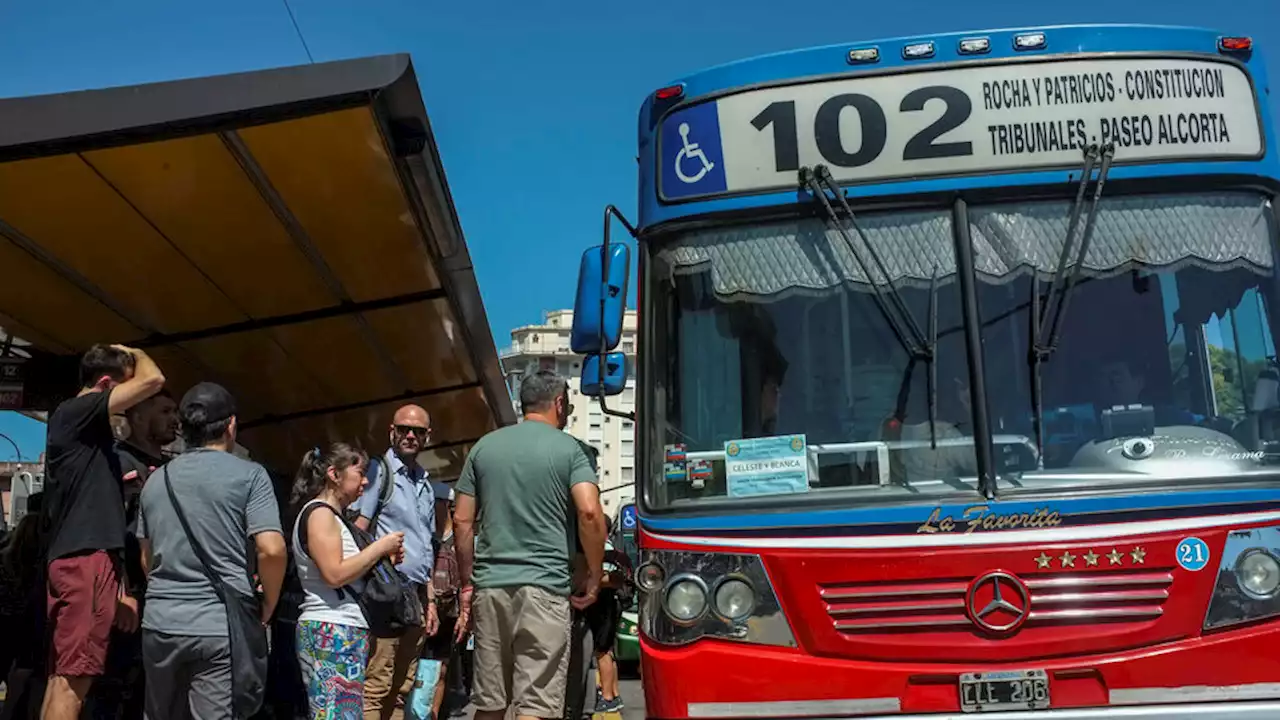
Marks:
<point>998,602</point>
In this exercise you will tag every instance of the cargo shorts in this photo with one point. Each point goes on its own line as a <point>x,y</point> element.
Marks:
<point>521,650</point>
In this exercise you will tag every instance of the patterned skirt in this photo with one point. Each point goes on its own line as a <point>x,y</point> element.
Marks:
<point>332,659</point>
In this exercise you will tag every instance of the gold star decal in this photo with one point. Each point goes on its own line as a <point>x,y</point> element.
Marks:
<point>1139,555</point>
<point>1092,558</point>
<point>1115,556</point>
<point>1043,560</point>
<point>1068,560</point>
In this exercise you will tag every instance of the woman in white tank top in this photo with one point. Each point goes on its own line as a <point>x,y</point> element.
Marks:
<point>333,637</point>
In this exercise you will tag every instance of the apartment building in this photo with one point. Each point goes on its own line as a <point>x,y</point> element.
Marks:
<point>546,346</point>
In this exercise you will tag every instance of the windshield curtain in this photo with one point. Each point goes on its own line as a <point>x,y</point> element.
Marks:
<point>773,330</point>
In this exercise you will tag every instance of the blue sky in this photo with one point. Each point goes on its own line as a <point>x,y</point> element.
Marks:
<point>533,104</point>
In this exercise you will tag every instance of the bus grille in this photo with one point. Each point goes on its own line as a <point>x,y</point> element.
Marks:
<point>1056,598</point>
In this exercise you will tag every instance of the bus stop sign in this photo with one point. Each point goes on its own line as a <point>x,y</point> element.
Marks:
<point>11,383</point>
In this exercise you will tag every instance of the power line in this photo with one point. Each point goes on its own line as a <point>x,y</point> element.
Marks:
<point>298,30</point>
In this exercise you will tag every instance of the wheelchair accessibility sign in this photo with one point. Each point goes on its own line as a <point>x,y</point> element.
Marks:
<point>692,157</point>
<point>628,517</point>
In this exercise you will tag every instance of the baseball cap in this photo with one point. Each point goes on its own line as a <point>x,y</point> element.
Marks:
<point>206,403</point>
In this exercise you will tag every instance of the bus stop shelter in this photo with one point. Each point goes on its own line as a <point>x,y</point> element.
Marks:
<point>288,233</point>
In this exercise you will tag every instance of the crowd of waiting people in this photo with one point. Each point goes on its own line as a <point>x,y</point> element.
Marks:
<point>144,583</point>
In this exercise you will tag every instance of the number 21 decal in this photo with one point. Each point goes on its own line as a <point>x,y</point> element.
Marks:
<point>1193,553</point>
<point>924,145</point>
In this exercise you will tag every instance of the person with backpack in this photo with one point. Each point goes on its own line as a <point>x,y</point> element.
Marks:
<point>400,497</point>
<point>333,633</point>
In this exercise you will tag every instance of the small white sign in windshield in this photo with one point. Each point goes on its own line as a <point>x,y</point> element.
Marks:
<point>767,466</point>
<point>961,120</point>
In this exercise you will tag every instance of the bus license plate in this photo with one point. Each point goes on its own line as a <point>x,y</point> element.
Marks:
<point>1004,690</point>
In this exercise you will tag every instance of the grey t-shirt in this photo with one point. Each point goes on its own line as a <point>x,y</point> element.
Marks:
<point>226,501</point>
<point>527,527</point>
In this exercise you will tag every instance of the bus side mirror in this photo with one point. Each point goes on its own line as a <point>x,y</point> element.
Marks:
<point>601,301</point>
<point>604,375</point>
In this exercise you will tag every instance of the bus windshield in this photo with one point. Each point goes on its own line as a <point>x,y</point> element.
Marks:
<point>1163,366</point>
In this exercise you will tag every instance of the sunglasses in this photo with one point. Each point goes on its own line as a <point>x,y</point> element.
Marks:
<point>418,432</point>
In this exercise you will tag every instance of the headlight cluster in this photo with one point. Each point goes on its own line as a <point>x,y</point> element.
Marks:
<point>688,599</point>
<point>692,595</point>
<point>1248,583</point>
<point>1258,573</point>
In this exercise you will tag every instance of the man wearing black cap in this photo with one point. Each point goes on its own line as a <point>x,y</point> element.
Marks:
<point>226,501</point>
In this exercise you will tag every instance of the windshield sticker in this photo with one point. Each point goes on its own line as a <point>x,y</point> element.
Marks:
<point>700,472</point>
<point>674,467</point>
<point>1193,554</point>
<point>982,517</point>
<point>767,466</point>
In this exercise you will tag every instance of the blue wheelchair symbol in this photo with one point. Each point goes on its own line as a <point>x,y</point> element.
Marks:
<point>692,158</point>
<point>1193,553</point>
<point>629,517</point>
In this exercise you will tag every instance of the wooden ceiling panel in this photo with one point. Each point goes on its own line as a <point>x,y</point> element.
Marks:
<point>333,173</point>
<point>62,204</point>
<point>193,190</point>
<point>426,342</point>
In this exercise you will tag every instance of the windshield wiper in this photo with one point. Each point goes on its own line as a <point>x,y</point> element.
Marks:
<point>1046,326</point>
<point>919,348</point>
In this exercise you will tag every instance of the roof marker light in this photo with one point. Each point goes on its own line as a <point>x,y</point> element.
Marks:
<point>859,56</point>
<point>1029,41</point>
<point>669,92</point>
<point>975,46</point>
<point>917,51</point>
<point>1235,44</point>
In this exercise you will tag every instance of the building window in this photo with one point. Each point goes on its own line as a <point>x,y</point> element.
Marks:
<point>628,474</point>
<point>628,396</point>
<point>628,448</point>
<point>628,425</point>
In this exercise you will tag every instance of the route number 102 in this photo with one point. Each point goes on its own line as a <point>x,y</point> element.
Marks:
<point>924,145</point>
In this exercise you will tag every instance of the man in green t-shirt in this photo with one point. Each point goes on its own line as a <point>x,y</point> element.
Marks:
<point>526,497</point>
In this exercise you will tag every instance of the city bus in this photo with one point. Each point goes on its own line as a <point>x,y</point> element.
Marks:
<point>957,379</point>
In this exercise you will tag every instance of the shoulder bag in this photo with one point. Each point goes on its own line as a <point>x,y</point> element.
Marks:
<point>245,632</point>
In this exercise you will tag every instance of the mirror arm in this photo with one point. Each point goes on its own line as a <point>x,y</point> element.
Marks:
<point>610,211</point>
<point>616,413</point>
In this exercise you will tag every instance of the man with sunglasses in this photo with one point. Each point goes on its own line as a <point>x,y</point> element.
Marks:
<point>410,509</point>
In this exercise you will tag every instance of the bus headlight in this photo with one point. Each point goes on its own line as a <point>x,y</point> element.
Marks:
<point>735,599</point>
<point>686,596</point>
<point>686,599</point>
<point>1247,587</point>
<point>1258,573</point>
<point>650,577</point>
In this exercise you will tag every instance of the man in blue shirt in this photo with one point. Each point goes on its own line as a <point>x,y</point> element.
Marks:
<point>411,509</point>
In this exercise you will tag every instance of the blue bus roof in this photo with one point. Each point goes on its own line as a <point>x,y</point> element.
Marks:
<point>831,62</point>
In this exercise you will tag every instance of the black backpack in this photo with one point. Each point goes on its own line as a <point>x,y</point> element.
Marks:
<point>389,602</point>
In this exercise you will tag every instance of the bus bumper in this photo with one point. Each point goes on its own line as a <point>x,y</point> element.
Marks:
<point>1268,710</point>
<point>1207,711</point>
<point>1231,676</point>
